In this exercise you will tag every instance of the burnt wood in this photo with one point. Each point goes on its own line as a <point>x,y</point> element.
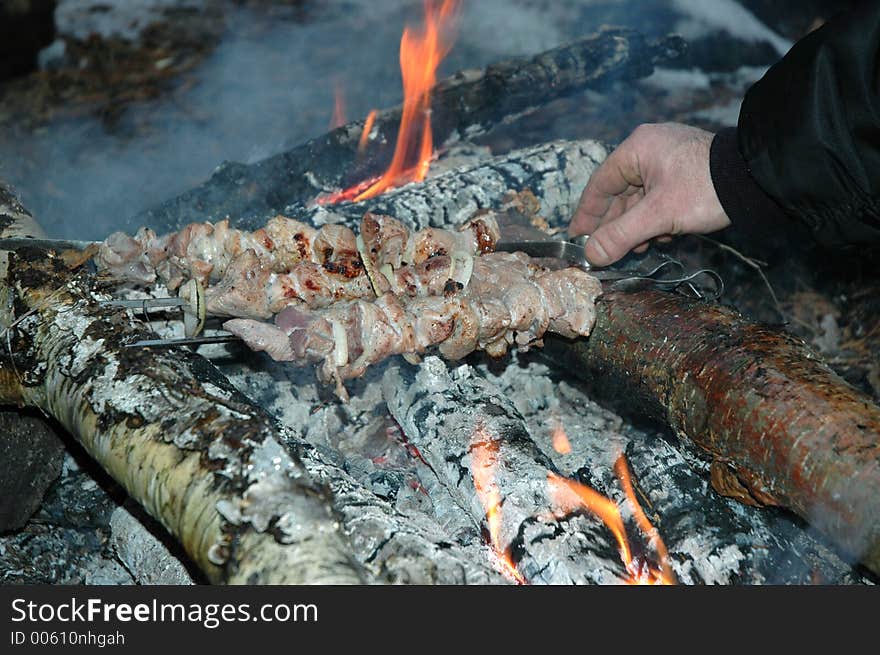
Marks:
<point>466,104</point>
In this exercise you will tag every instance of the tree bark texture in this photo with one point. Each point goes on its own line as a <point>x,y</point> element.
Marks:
<point>781,426</point>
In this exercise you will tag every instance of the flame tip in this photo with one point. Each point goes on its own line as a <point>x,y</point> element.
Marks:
<point>420,54</point>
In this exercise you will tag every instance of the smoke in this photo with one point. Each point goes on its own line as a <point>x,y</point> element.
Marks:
<point>701,17</point>
<point>267,87</point>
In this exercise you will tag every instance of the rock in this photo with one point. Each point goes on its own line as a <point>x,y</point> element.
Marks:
<point>147,559</point>
<point>30,460</point>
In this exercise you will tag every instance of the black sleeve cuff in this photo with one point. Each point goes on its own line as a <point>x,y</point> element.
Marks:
<point>747,206</point>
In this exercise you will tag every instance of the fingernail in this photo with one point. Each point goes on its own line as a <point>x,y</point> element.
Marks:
<point>598,256</point>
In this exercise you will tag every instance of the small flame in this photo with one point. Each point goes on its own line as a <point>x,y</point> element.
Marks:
<point>561,444</point>
<point>484,459</point>
<point>666,576</point>
<point>338,109</point>
<point>420,54</point>
<point>569,496</point>
<point>368,127</point>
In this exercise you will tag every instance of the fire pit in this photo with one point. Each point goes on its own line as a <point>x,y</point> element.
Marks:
<point>478,467</point>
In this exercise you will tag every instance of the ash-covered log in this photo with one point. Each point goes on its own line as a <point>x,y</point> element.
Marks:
<point>781,426</point>
<point>460,423</point>
<point>396,546</point>
<point>555,173</point>
<point>464,105</point>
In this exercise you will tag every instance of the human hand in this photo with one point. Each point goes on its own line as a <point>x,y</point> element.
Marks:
<point>655,184</point>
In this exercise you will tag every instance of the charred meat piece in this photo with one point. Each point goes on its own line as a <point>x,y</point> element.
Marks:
<point>204,251</point>
<point>388,242</point>
<point>509,302</point>
<point>257,274</point>
<point>251,289</point>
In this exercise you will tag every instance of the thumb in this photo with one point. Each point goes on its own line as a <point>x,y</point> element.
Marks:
<point>614,239</point>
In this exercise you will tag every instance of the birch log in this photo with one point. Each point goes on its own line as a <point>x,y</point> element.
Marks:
<point>168,427</point>
<point>32,452</point>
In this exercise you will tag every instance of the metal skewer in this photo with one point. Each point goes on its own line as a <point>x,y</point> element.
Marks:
<point>188,341</point>
<point>16,243</point>
<point>145,303</point>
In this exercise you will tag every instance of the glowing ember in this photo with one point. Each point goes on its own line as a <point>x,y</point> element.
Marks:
<point>368,127</point>
<point>338,109</point>
<point>420,55</point>
<point>484,459</point>
<point>569,496</point>
<point>561,444</point>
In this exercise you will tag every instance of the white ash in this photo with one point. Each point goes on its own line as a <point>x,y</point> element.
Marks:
<point>374,481</point>
<point>709,564</point>
<point>723,541</point>
<point>274,496</point>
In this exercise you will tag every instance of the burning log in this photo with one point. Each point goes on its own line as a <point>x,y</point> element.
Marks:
<point>481,455</point>
<point>555,173</point>
<point>781,427</point>
<point>467,104</point>
<point>199,457</point>
<point>711,539</point>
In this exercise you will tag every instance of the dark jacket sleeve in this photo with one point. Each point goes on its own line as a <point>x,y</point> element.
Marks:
<point>807,144</point>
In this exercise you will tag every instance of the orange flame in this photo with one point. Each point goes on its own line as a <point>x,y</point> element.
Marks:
<point>338,108</point>
<point>666,576</point>
<point>420,55</point>
<point>560,441</point>
<point>484,459</point>
<point>569,496</point>
<point>368,127</point>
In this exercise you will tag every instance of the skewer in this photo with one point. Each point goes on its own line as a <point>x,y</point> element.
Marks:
<point>16,243</point>
<point>187,341</point>
<point>146,303</point>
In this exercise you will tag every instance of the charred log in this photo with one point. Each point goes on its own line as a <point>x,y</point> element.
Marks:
<point>780,426</point>
<point>468,103</point>
<point>31,456</point>
<point>555,173</point>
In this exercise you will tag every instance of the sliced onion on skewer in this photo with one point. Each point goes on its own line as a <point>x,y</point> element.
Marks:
<point>369,267</point>
<point>194,311</point>
<point>340,339</point>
